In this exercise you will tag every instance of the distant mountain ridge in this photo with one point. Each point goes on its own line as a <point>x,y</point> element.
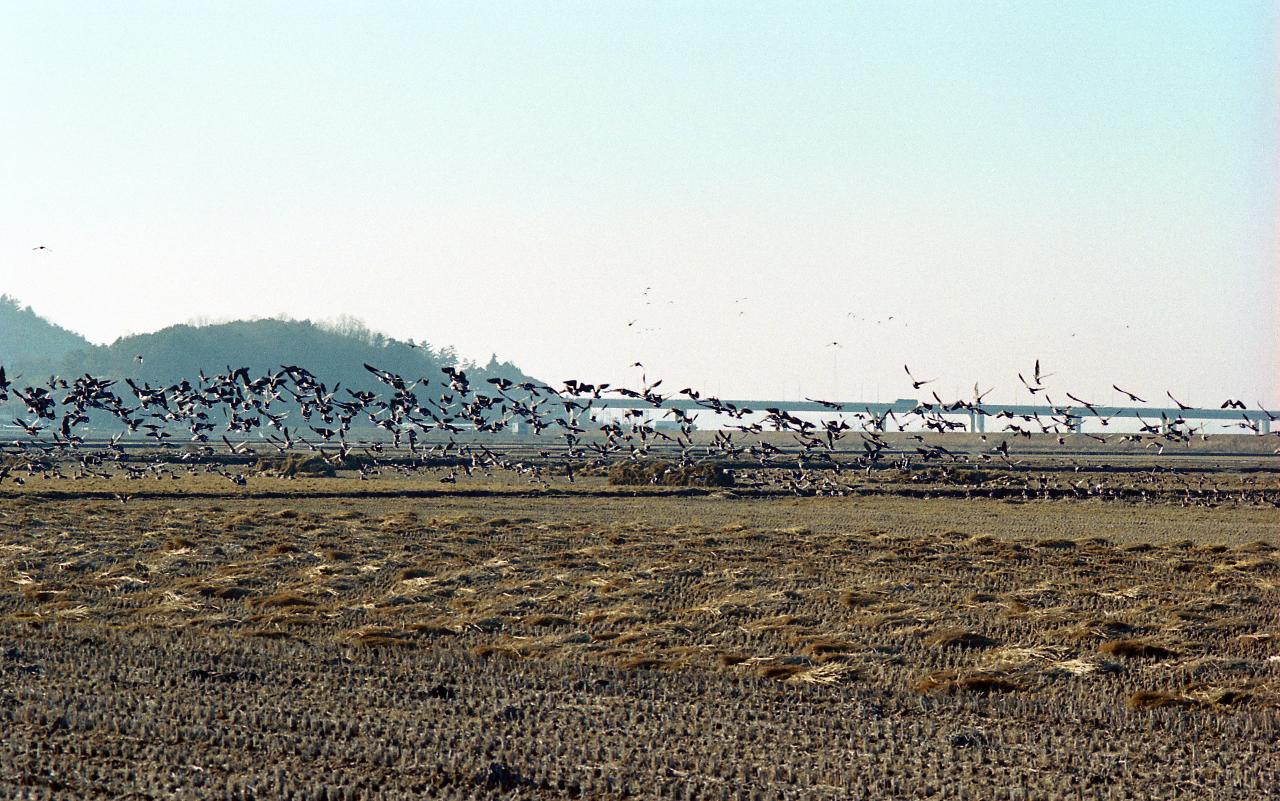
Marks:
<point>30,342</point>
<point>334,352</point>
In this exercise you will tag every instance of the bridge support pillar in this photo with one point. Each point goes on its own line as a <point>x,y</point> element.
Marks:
<point>1264,425</point>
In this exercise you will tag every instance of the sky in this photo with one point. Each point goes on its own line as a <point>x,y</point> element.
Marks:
<point>717,190</point>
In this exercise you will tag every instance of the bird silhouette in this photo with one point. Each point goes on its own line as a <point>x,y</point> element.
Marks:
<point>1127,393</point>
<point>915,382</point>
<point>1181,406</point>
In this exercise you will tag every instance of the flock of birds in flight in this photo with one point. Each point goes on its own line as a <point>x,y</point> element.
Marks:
<point>439,425</point>
<point>410,417</point>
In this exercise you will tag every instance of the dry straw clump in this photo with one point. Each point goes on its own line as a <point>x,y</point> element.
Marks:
<point>295,465</point>
<point>952,680</point>
<point>959,638</point>
<point>668,474</point>
<point>1136,649</point>
<point>1154,699</point>
<point>282,600</point>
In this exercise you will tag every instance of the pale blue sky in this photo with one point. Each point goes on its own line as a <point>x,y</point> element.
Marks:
<point>1091,184</point>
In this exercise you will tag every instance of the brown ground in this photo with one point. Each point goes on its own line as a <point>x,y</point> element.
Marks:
<point>595,642</point>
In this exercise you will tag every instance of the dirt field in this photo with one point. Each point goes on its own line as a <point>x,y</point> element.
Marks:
<point>325,639</point>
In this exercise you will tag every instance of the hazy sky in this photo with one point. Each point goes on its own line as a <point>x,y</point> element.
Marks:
<point>1091,184</point>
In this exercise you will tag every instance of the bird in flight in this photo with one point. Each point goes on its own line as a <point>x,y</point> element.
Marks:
<point>1127,393</point>
<point>1038,384</point>
<point>915,382</point>
<point>1040,378</point>
<point>41,247</point>
<point>839,407</point>
<point>1182,406</point>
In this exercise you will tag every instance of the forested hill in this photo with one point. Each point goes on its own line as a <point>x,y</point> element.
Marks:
<point>30,342</point>
<point>333,352</point>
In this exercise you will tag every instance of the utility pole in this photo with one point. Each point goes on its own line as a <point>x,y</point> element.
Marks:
<point>835,370</point>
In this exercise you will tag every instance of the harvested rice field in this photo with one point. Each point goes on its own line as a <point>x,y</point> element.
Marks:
<point>345,639</point>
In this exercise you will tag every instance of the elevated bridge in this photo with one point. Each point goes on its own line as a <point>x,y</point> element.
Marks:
<point>1259,420</point>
